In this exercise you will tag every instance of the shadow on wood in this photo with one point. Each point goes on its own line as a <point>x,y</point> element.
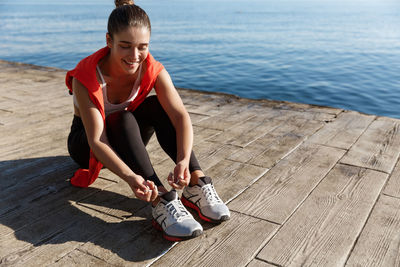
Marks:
<point>39,208</point>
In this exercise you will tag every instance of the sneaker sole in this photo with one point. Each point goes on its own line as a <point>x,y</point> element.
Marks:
<point>193,206</point>
<point>175,238</point>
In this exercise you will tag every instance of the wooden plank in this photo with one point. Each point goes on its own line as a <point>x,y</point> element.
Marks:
<point>25,213</point>
<point>48,149</point>
<point>71,226</point>
<point>102,234</point>
<point>56,247</point>
<point>133,242</point>
<point>57,125</point>
<point>269,149</point>
<point>19,172</point>
<point>286,113</point>
<point>225,120</point>
<point>323,230</point>
<point>246,132</point>
<point>344,131</point>
<point>20,194</point>
<point>258,263</point>
<point>379,242</point>
<point>78,258</point>
<point>12,247</point>
<point>195,117</point>
<point>231,178</point>
<point>211,104</point>
<point>232,243</point>
<point>378,147</point>
<point>209,153</point>
<point>31,201</point>
<point>201,134</point>
<point>308,108</point>
<point>392,188</point>
<point>282,189</point>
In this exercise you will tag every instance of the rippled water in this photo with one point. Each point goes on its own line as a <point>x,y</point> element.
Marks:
<point>336,53</point>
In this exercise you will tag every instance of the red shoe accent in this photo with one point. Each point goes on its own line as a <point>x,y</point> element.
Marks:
<point>156,225</point>
<point>159,228</point>
<point>189,204</point>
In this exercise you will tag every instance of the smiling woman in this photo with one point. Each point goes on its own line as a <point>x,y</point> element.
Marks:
<point>114,120</point>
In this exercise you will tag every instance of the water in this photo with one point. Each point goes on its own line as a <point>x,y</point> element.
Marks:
<point>335,53</point>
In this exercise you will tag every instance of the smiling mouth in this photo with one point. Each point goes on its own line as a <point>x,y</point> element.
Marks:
<point>131,63</point>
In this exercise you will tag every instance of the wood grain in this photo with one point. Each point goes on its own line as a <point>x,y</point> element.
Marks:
<point>210,154</point>
<point>344,131</point>
<point>392,188</point>
<point>323,230</point>
<point>230,244</point>
<point>272,147</point>
<point>231,178</point>
<point>378,147</point>
<point>281,190</point>
<point>78,258</point>
<point>246,132</point>
<point>258,263</point>
<point>379,242</point>
<point>90,216</point>
<point>225,120</point>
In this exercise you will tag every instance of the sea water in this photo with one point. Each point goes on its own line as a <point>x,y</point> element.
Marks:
<point>337,53</point>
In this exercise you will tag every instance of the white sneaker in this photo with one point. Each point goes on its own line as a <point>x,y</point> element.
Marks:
<point>171,217</point>
<point>204,199</point>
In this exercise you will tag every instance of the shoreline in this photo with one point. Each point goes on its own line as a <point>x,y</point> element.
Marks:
<point>228,95</point>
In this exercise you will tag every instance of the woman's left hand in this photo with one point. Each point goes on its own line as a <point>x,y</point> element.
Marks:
<point>181,176</point>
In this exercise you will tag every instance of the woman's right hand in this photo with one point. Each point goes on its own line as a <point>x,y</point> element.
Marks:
<point>144,190</point>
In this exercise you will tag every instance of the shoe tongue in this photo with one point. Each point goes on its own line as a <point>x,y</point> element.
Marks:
<point>170,196</point>
<point>205,180</point>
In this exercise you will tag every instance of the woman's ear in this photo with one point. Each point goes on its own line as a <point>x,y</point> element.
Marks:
<point>109,40</point>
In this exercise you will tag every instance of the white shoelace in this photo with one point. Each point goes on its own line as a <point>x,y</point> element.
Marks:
<point>176,209</point>
<point>210,194</point>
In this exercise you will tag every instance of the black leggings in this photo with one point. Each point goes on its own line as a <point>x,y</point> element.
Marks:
<point>128,133</point>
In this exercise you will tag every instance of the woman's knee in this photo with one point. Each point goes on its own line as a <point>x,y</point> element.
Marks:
<point>119,122</point>
<point>155,106</point>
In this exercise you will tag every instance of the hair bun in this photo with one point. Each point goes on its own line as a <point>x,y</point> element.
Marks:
<point>119,3</point>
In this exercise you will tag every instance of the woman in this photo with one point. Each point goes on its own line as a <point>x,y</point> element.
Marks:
<point>114,120</point>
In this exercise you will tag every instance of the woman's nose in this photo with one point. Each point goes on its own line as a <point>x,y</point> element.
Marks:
<point>135,53</point>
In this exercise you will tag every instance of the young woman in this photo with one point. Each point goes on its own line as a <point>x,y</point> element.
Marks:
<point>114,120</point>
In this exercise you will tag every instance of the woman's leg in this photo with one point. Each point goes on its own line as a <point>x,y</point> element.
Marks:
<point>78,146</point>
<point>151,114</point>
<point>129,140</point>
<point>139,128</point>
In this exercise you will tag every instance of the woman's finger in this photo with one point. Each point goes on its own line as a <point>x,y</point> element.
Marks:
<point>154,195</point>
<point>183,182</point>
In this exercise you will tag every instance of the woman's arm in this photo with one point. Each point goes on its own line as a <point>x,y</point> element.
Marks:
<point>98,142</point>
<point>172,104</point>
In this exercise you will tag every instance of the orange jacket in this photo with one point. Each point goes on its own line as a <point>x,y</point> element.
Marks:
<point>85,72</point>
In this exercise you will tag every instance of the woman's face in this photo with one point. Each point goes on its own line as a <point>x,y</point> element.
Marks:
<point>129,48</point>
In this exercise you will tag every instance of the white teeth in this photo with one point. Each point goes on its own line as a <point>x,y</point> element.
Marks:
<point>130,63</point>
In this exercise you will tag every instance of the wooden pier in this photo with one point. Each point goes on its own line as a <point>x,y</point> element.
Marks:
<point>306,185</point>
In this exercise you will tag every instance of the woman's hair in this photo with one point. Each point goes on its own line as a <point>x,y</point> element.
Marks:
<point>123,2</point>
<point>127,14</point>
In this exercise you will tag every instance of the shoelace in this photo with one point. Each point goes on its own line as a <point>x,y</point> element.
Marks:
<point>177,210</point>
<point>211,195</point>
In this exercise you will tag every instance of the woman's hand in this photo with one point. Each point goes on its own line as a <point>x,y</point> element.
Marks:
<point>181,176</point>
<point>144,190</point>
